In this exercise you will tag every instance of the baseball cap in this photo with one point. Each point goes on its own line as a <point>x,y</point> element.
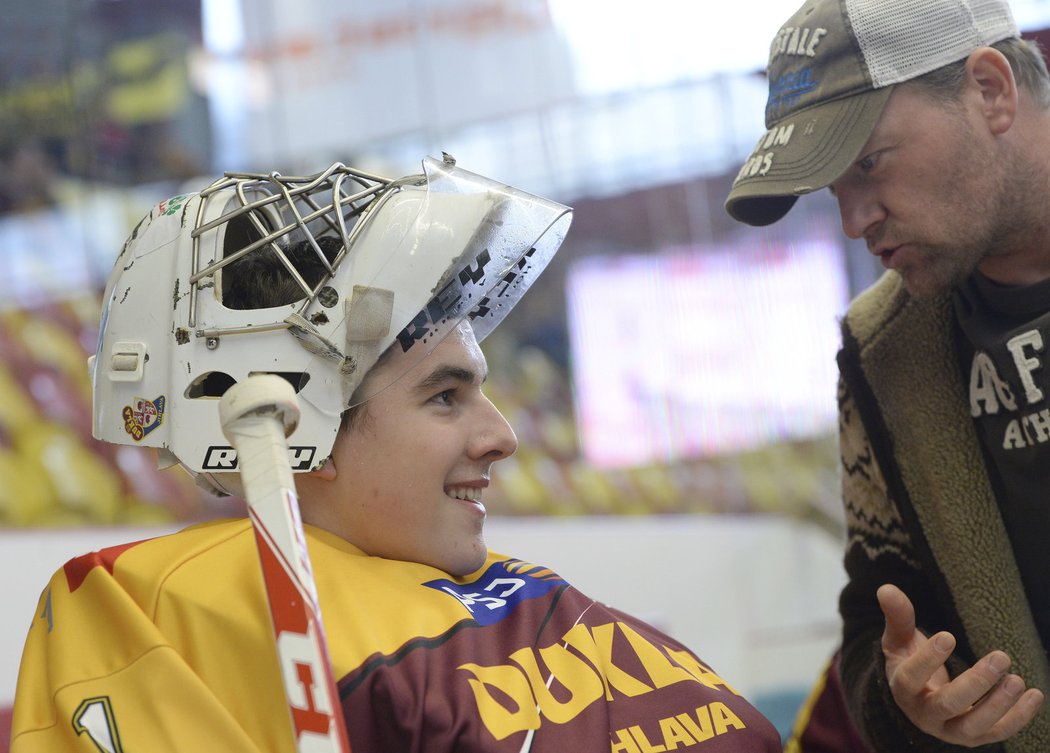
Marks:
<point>832,67</point>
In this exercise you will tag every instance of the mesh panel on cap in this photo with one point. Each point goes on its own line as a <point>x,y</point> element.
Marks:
<point>903,39</point>
<point>994,19</point>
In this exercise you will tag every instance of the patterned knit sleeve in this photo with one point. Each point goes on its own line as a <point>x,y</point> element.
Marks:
<point>878,551</point>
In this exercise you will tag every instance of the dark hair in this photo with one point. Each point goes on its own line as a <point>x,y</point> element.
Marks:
<point>260,279</point>
<point>1025,57</point>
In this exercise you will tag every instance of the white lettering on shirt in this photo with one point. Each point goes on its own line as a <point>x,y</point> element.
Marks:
<point>1025,366</point>
<point>987,389</point>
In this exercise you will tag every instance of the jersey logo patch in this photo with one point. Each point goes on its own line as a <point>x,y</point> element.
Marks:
<point>499,589</point>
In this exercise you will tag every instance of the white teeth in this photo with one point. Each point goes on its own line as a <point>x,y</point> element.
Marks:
<point>465,492</point>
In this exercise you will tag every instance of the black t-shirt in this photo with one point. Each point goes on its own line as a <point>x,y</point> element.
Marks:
<point>1005,356</point>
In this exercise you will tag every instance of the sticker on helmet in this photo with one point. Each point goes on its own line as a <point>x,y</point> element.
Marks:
<point>143,417</point>
<point>172,205</point>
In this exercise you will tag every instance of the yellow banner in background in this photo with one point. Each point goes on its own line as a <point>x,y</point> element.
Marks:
<point>148,80</point>
<point>140,81</point>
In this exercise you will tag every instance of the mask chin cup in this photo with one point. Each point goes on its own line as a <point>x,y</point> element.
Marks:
<point>210,483</point>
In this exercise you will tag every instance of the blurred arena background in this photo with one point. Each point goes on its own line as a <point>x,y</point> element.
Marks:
<point>671,378</point>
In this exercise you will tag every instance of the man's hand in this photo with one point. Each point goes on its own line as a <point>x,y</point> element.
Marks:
<point>982,705</point>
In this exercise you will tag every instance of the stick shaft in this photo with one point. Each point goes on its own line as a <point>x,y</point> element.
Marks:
<point>269,488</point>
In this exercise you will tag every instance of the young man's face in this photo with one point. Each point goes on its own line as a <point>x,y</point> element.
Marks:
<point>926,193</point>
<point>410,471</point>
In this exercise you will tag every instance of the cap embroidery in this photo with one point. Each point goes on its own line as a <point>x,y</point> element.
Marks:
<point>797,40</point>
<point>787,89</point>
<point>760,164</point>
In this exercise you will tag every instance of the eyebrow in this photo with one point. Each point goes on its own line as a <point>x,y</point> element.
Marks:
<point>443,374</point>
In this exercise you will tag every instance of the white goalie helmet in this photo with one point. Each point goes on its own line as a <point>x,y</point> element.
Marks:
<point>399,263</point>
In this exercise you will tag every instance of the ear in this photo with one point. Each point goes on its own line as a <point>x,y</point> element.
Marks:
<point>989,74</point>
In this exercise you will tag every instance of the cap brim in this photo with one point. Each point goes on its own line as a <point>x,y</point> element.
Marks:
<point>803,153</point>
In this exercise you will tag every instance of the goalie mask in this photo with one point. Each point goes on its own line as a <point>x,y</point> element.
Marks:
<point>311,278</point>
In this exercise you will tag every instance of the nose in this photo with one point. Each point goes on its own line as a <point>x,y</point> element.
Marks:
<point>495,439</point>
<point>859,209</point>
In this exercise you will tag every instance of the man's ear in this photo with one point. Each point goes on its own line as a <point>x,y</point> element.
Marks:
<point>989,72</point>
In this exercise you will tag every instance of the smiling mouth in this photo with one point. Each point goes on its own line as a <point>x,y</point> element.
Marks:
<point>465,493</point>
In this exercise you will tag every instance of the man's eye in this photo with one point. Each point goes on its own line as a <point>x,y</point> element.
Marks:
<point>868,163</point>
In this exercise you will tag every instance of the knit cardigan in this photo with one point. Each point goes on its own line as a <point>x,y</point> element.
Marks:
<point>921,513</point>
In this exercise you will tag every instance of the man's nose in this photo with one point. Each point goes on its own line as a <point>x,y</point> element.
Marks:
<point>859,210</point>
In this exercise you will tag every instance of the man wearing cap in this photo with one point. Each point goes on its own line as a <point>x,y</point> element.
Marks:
<point>929,120</point>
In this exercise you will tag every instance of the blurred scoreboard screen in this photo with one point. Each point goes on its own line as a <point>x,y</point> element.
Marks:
<point>694,352</point>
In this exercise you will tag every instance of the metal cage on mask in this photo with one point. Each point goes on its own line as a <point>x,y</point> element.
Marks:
<point>398,264</point>
<point>267,224</point>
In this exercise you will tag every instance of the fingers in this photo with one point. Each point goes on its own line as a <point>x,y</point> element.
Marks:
<point>900,618</point>
<point>1022,712</point>
<point>984,704</point>
<point>923,669</point>
<point>914,664</point>
<point>982,688</point>
<point>997,716</point>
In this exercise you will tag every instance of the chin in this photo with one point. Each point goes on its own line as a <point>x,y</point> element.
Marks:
<point>925,288</point>
<point>466,562</point>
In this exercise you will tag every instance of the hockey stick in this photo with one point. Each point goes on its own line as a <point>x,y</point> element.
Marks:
<point>257,415</point>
